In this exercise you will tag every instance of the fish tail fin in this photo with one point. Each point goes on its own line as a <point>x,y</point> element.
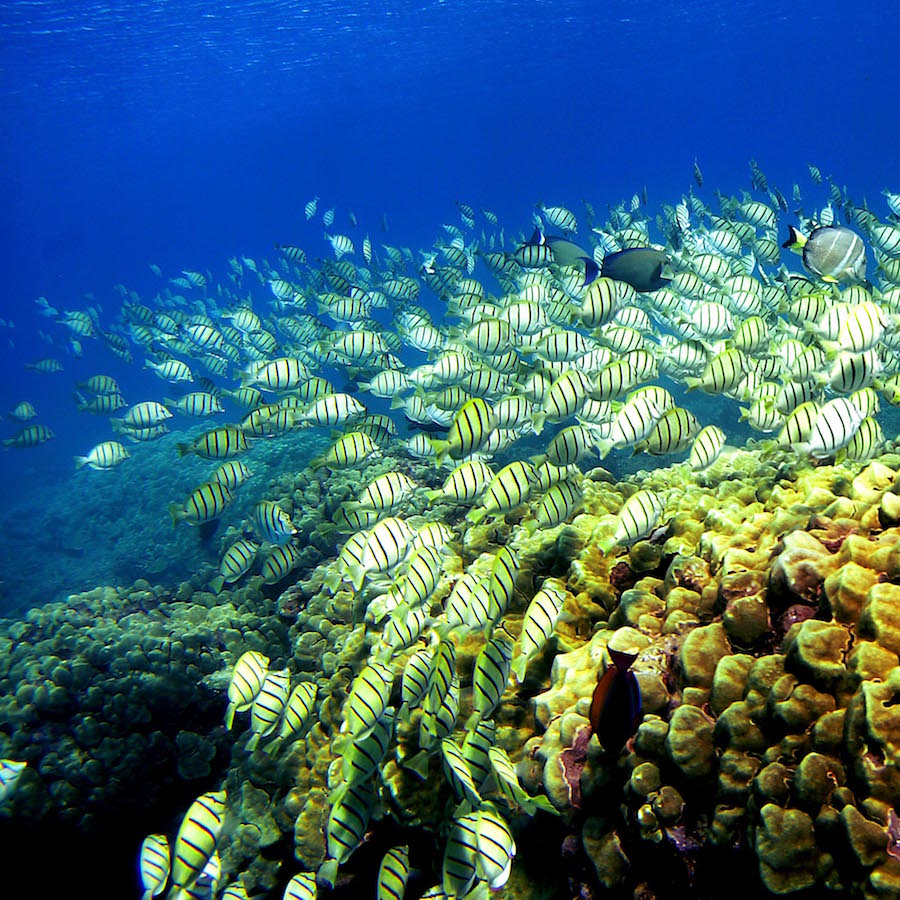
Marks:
<point>357,577</point>
<point>327,873</point>
<point>476,514</point>
<point>176,512</point>
<point>80,462</point>
<point>254,740</point>
<point>418,764</point>
<point>518,667</point>
<point>537,420</point>
<point>183,450</point>
<point>604,545</point>
<point>603,446</point>
<point>796,240</point>
<point>441,449</point>
<point>229,716</point>
<point>431,496</point>
<point>217,583</point>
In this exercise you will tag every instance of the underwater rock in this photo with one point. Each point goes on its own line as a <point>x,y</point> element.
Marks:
<point>880,618</point>
<point>786,846</point>
<point>818,650</point>
<point>700,654</point>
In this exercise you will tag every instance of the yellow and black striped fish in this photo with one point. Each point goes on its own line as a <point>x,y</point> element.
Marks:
<point>204,504</point>
<point>220,443</point>
<point>268,705</point>
<point>196,842</point>
<point>246,682</point>
<point>155,863</point>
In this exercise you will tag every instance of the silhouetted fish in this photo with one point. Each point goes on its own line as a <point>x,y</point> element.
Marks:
<point>641,267</point>
<point>616,704</point>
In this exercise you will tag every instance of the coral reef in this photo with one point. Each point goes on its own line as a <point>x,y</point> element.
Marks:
<point>764,616</point>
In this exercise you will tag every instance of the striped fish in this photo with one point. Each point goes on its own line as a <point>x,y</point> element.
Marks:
<point>279,563</point>
<point>458,774</point>
<point>299,708</point>
<point>282,374</point>
<point>505,773</point>
<point>367,699</point>
<point>476,750</point>
<point>439,722</point>
<point>360,759</point>
<point>465,483</point>
<point>402,630</point>
<point>570,446</point>
<point>393,873</point>
<point>673,433</point>
<point>220,443</point>
<point>469,431</point>
<point>246,682</point>
<point>706,447</point>
<point>196,842</point>
<point>638,517</point>
<point>385,546</point>
<point>479,845</point>
<point>301,887</point>
<point>414,682</point>
<point>268,705</point>
<point>104,456</point>
<point>833,429</point>
<point>332,409</point>
<point>236,562</point>
<point>197,403</point>
<point>346,827</point>
<point>538,624</point>
<point>273,523</point>
<point>347,451</point>
<point>384,493</point>
<point>490,676</point>
<point>556,506</point>
<point>232,474</point>
<point>206,503</point>
<point>563,399</point>
<point>155,863</point>
<point>509,489</point>
<point>172,370</point>
<point>502,581</point>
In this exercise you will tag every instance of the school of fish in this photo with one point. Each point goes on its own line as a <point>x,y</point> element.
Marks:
<point>510,364</point>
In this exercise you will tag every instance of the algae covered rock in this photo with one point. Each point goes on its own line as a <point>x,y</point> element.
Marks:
<point>786,847</point>
<point>700,654</point>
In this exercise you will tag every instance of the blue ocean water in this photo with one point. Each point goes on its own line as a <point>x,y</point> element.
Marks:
<point>185,133</point>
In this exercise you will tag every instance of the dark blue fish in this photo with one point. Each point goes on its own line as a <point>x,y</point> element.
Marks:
<point>616,704</point>
<point>641,267</point>
<point>566,253</point>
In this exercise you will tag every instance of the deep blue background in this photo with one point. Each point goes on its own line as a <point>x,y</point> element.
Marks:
<point>182,133</point>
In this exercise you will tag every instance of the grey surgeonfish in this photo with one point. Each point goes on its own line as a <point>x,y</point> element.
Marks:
<point>832,252</point>
<point>566,253</point>
<point>641,267</point>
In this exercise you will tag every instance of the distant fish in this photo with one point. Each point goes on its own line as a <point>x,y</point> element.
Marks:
<point>559,217</point>
<point>564,252</point>
<point>698,175</point>
<point>641,267</point>
<point>832,252</point>
<point>310,209</point>
<point>616,703</point>
<point>103,456</point>
<point>30,436</point>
